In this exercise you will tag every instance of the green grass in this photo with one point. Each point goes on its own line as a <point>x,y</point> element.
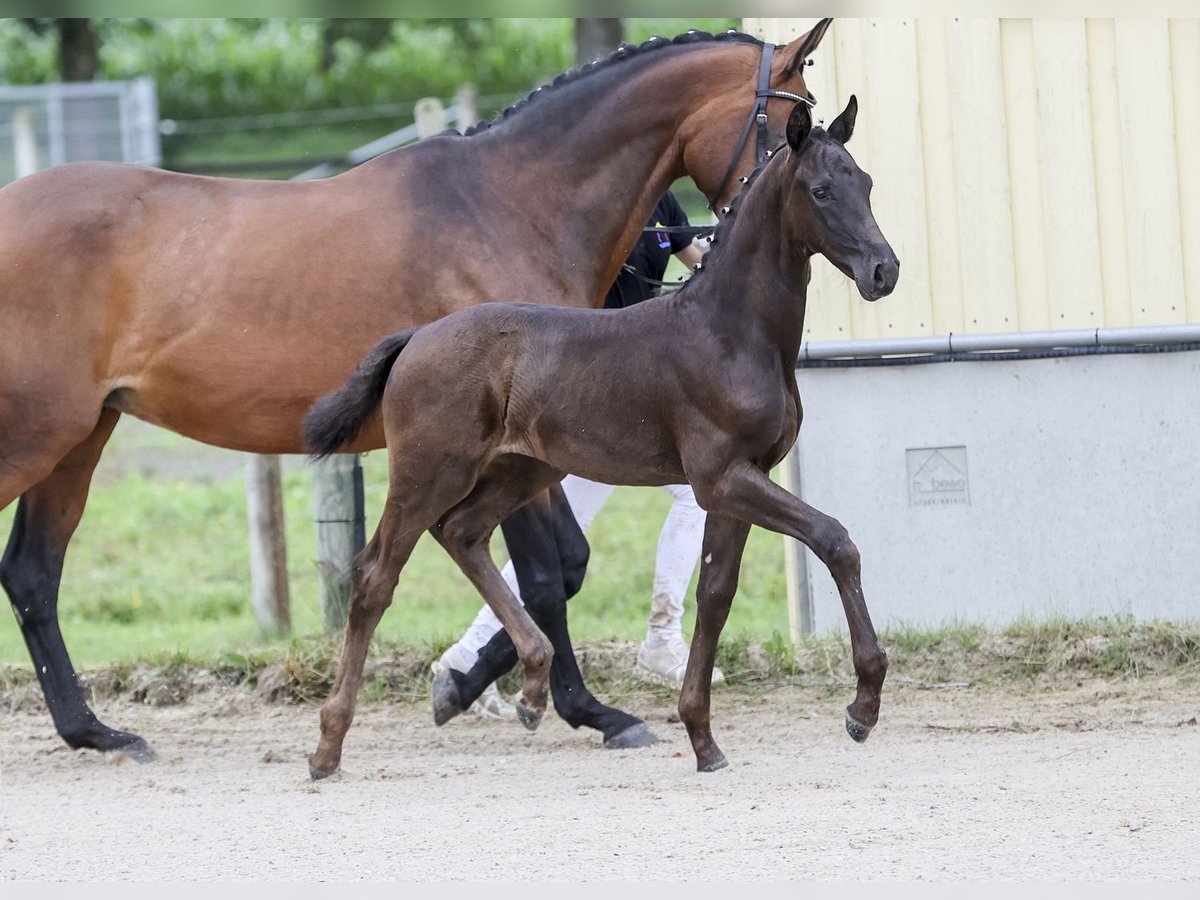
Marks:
<point>158,575</point>
<point>160,564</point>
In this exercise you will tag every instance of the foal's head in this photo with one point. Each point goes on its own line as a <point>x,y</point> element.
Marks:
<point>829,203</point>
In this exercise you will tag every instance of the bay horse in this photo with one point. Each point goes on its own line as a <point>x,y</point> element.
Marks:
<point>205,305</point>
<point>485,408</point>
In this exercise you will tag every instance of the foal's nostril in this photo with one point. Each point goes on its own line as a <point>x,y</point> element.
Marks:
<point>886,274</point>
<point>880,277</point>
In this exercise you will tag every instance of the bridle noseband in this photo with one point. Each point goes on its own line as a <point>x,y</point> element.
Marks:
<point>758,115</point>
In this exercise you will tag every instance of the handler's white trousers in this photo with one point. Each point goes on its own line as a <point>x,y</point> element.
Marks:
<point>679,545</point>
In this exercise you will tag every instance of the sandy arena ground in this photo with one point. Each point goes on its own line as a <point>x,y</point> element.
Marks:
<point>1094,782</point>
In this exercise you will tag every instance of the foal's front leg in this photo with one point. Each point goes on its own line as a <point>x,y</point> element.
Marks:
<point>721,560</point>
<point>746,493</point>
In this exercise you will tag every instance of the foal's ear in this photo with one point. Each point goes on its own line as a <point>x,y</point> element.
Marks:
<point>799,124</point>
<point>843,126</point>
<point>808,44</point>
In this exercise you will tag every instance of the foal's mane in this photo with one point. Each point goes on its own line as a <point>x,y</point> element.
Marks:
<point>621,54</point>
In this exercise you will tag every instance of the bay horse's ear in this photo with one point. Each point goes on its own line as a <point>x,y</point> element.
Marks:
<point>843,126</point>
<point>808,44</point>
<point>799,124</point>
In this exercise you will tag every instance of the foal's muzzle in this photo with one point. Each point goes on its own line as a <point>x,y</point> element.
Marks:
<point>877,274</point>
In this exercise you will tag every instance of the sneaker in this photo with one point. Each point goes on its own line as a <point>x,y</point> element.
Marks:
<point>489,704</point>
<point>665,662</point>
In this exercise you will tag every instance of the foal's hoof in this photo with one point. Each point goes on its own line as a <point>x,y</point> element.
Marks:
<point>447,701</point>
<point>715,764</point>
<point>530,717</point>
<point>856,729</point>
<point>632,738</point>
<point>137,750</point>
<point>316,774</point>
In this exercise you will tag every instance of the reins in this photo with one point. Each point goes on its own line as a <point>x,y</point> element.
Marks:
<point>758,116</point>
<point>694,230</point>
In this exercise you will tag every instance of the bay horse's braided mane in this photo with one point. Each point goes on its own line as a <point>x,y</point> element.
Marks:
<point>621,54</point>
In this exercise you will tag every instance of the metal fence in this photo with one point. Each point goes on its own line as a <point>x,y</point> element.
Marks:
<point>49,124</point>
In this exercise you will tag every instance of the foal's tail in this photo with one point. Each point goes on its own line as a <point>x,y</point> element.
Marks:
<point>337,419</point>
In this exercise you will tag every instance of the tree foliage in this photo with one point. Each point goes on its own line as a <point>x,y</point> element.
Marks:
<point>221,67</point>
<point>208,70</point>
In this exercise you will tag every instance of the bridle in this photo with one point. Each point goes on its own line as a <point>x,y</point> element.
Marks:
<point>758,116</point>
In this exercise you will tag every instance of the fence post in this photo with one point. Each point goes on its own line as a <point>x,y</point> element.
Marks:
<point>337,479</point>
<point>430,116</point>
<point>466,107</point>
<point>795,562</point>
<point>268,548</point>
<point>24,143</point>
<point>338,509</point>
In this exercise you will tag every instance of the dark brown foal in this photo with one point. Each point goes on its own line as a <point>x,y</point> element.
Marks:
<point>483,409</point>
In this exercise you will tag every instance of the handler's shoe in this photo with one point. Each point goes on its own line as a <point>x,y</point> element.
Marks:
<point>489,704</point>
<point>664,662</point>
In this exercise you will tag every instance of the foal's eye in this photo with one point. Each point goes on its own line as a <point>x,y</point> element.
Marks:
<point>820,193</point>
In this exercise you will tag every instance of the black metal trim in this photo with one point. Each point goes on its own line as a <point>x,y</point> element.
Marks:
<point>992,356</point>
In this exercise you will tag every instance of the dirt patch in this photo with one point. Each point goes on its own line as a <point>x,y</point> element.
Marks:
<point>1084,781</point>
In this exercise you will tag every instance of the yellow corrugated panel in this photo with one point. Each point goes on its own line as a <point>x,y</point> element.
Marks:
<point>1185,68</point>
<point>1031,174</point>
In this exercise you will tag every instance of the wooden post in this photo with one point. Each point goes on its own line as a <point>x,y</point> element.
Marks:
<point>430,116</point>
<point>24,143</point>
<point>466,107</point>
<point>795,561</point>
<point>337,479</point>
<point>338,509</point>
<point>268,548</point>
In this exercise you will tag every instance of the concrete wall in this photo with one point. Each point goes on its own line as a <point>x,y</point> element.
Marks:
<point>988,491</point>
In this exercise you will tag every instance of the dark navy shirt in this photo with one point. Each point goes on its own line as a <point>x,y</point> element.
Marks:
<point>650,255</point>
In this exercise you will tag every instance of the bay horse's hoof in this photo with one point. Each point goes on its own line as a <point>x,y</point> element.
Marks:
<point>632,738</point>
<point>856,729</point>
<point>530,717</point>
<point>447,701</point>
<point>715,764</point>
<point>316,774</point>
<point>137,750</point>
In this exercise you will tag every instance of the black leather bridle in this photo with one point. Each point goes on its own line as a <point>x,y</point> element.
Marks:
<point>758,116</point>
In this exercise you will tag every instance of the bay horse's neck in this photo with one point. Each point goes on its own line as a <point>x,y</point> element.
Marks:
<point>591,158</point>
<point>754,282</point>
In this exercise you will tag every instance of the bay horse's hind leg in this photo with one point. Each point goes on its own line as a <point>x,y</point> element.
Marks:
<point>47,515</point>
<point>549,552</point>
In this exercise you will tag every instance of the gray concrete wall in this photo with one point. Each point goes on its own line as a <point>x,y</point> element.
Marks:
<point>991,491</point>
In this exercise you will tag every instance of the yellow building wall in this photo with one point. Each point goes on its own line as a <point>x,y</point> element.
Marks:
<point>1031,174</point>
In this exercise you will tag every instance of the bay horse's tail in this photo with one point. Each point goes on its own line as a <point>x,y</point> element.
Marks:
<point>337,419</point>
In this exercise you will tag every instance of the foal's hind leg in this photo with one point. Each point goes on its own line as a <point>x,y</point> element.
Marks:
<point>724,542</point>
<point>746,493</point>
<point>420,489</point>
<point>374,573</point>
<point>464,532</point>
<point>549,553</point>
<point>31,572</point>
